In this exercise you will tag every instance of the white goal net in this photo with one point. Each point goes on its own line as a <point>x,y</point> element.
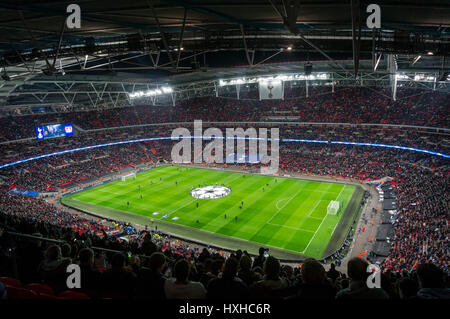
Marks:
<point>333,207</point>
<point>128,176</point>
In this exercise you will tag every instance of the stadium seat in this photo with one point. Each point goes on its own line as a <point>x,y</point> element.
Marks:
<point>9,281</point>
<point>20,293</point>
<point>40,289</point>
<point>69,294</point>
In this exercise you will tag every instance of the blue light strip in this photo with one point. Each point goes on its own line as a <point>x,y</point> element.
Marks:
<point>393,146</point>
<point>236,138</point>
<point>82,149</point>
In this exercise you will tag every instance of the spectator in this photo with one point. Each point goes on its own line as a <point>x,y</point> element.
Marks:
<point>180,287</point>
<point>208,273</point>
<point>431,282</point>
<point>119,281</point>
<point>333,274</point>
<point>245,272</point>
<point>407,288</point>
<point>259,261</point>
<point>151,280</point>
<point>271,286</point>
<point>228,285</point>
<point>90,277</point>
<point>32,253</point>
<point>358,289</point>
<point>66,250</point>
<point>315,284</point>
<point>53,268</point>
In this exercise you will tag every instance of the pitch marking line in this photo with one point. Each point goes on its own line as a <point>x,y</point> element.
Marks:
<point>284,205</point>
<point>341,192</point>
<point>313,208</point>
<point>321,191</point>
<point>278,201</point>
<point>315,233</point>
<point>193,200</point>
<point>190,202</point>
<point>325,217</point>
<point>308,215</point>
<point>342,208</point>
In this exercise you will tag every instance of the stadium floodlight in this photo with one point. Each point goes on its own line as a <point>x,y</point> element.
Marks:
<point>163,90</point>
<point>401,76</point>
<point>418,77</point>
<point>423,77</point>
<point>275,78</point>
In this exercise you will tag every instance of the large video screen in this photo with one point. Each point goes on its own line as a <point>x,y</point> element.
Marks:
<point>54,130</point>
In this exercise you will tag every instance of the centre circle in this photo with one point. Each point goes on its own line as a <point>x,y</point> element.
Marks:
<point>210,192</point>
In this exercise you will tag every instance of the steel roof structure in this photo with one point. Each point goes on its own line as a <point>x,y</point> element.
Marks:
<point>191,45</point>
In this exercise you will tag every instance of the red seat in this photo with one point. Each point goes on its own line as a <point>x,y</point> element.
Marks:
<point>20,293</point>
<point>9,281</point>
<point>40,289</point>
<point>69,294</point>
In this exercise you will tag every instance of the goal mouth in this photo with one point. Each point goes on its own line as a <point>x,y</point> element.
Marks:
<point>210,192</point>
<point>128,176</point>
<point>333,207</point>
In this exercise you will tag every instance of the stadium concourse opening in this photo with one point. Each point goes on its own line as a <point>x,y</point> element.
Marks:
<point>313,141</point>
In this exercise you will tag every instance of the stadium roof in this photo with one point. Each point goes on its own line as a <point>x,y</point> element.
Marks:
<point>184,42</point>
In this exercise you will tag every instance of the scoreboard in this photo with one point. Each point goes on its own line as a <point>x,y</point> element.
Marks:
<point>53,130</point>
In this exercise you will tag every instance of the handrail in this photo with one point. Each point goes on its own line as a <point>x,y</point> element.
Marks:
<point>401,126</point>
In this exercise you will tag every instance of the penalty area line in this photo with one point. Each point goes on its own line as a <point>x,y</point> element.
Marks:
<point>315,233</point>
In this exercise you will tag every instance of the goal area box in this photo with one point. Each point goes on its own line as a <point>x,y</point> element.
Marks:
<point>128,176</point>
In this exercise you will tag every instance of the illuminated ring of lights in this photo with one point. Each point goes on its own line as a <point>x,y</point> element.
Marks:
<point>405,148</point>
<point>210,192</point>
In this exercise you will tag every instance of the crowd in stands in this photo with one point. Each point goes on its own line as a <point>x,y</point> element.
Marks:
<point>421,182</point>
<point>416,138</point>
<point>419,252</point>
<point>421,228</point>
<point>147,268</point>
<point>55,173</point>
<point>345,105</point>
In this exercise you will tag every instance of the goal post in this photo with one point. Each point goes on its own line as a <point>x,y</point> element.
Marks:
<point>128,176</point>
<point>333,207</point>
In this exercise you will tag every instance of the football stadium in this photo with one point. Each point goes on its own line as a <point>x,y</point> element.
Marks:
<point>173,150</point>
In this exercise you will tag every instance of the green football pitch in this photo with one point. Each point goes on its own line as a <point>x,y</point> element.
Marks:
<point>289,215</point>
